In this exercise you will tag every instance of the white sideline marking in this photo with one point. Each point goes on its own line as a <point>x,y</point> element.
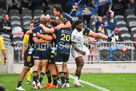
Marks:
<point>91,84</point>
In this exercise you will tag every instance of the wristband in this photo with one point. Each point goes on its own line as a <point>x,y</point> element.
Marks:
<point>109,39</point>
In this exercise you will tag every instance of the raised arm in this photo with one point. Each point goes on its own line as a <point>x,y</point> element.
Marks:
<point>67,25</point>
<point>47,30</point>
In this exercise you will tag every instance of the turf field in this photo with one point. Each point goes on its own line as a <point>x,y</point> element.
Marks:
<point>112,82</point>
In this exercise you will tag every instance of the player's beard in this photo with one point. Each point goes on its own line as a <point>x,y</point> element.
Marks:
<point>79,30</point>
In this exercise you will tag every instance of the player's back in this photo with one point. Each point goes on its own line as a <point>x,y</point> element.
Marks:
<point>63,40</point>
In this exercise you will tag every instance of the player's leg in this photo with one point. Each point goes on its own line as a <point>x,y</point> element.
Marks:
<point>28,75</point>
<point>66,74</point>
<point>21,77</point>
<point>67,79</point>
<point>35,73</point>
<point>59,64</point>
<point>48,74</point>
<point>52,67</point>
<point>79,63</point>
<point>42,73</point>
<point>27,64</point>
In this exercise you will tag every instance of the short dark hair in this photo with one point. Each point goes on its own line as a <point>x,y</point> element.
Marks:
<point>76,23</point>
<point>53,23</point>
<point>31,22</point>
<point>58,8</point>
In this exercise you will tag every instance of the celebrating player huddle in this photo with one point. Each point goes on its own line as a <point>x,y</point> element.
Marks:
<point>48,50</point>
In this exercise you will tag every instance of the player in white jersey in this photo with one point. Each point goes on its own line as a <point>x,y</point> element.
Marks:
<point>77,50</point>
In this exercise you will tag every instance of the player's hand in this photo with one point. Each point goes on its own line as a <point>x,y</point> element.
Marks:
<point>22,57</point>
<point>5,62</point>
<point>41,25</point>
<point>83,53</point>
<point>38,34</point>
<point>8,28</point>
<point>35,17</point>
<point>59,26</point>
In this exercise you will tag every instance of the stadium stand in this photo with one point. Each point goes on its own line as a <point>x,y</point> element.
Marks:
<point>126,23</point>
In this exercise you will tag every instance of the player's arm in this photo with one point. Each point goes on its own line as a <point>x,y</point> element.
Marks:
<point>23,50</point>
<point>25,43</point>
<point>77,49</point>
<point>29,32</point>
<point>54,36</point>
<point>47,37</point>
<point>47,30</point>
<point>66,25</point>
<point>38,41</point>
<point>3,51</point>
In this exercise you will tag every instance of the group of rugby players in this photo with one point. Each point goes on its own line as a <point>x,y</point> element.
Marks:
<point>48,49</point>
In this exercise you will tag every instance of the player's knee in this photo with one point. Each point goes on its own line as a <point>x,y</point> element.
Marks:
<point>26,69</point>
<point>81,64</point>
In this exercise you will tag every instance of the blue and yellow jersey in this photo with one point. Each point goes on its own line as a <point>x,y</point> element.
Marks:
<point>100,27</point>
<point>63,40</point>
<point>65,18</point>
<point>26,39</point>
<point>2,47</point>
<point>41,31</point>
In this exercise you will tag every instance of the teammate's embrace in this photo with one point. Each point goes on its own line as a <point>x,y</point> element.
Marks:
<point>41,53</point>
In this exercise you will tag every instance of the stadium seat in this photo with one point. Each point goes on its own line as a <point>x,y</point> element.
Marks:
<point>17,36</point>
<point>132,24</point>
<point>119,17</point>
<point>129,12</point>
<point>125,36</point>
<point>131,16</point>
<point>121,23</point>
<point>14,11</point>
<point>26,22</point>
<point>15,17</point>
<point>117,55</point>
<point>123,29</point>
<point>104,54</point>
<point>133,29</point>
<point>16,23</point>
<point>50,12</point>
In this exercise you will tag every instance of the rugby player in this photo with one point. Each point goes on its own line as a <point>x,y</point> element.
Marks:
<point>41,53</point>
<point>66,73</point>
<point>3,50</point>
<point>27,55</point>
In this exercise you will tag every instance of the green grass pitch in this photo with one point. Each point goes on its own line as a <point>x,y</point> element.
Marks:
<point>113,82</point>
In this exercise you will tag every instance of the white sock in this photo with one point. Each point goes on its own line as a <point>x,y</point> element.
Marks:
<point>76,78</point>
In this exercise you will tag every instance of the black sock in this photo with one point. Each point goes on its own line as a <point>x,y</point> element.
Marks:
<point>48,74</point>
<point>67,80</point>
<point>65,74</point>
<point>58,78</point>
<point>19,83</point>
<point>41,77</point>
<point>35,73</point>
<point>61,75</point>
<point>54,80</point>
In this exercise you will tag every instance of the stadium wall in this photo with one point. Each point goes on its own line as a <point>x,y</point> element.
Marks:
<point>12,67</point>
